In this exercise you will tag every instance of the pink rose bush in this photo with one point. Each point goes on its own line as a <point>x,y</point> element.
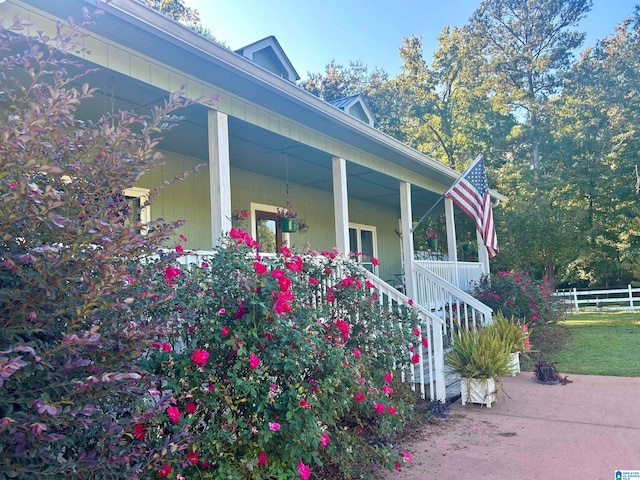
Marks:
<point>270,372</point>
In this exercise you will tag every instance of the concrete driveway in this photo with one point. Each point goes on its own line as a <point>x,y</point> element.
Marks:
<point>585,430</point>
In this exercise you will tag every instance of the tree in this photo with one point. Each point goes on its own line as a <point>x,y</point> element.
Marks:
<point>178,11</point>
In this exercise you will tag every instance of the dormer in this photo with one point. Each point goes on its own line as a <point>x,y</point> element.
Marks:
<point>355,106</point>
<point>269,55</point>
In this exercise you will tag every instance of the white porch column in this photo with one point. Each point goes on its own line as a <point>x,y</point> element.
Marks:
<point>219,175</point>
<point>406,220</point>
<point>451,237</point>
<point>341,204</point>
<point>483,256</point>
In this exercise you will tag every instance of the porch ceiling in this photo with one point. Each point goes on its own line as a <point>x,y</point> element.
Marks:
<point>251,148</point>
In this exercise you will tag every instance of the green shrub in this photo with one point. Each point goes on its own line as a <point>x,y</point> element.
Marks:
<point>72,299</point>
<point>517,295</point>
<point>480,353</point>
<point>267,360</point>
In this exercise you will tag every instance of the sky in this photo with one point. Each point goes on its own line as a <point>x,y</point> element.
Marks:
<point>313,33</point>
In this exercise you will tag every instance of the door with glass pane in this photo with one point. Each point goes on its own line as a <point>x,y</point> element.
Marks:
<point>362,240</point>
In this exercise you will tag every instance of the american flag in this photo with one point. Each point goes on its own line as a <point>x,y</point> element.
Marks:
<point>471,194</point>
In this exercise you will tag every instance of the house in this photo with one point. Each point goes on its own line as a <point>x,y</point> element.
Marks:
<point>265,142</point>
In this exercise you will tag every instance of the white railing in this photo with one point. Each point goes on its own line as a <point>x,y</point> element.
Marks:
<point>467,272</point>
<point>431,326</point>
<point>448,302</point>
<point>605,299</point>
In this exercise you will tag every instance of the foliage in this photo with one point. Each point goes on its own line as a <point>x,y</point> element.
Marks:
<point>73,296</point>
<point>517,295</point>
<point>547,372</point>
<point>510,331</point>
<point>479,353</point>
<point>275,363</point>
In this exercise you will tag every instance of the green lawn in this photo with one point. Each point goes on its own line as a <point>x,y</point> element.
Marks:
<point>590,344</point>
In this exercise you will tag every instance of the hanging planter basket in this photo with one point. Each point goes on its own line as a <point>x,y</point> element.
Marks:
<point>432,244</point>
<point>289,225</point>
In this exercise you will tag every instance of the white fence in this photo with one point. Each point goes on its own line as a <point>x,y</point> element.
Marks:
<point>606,299</point>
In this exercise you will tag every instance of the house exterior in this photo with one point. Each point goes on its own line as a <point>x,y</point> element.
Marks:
<point>262,141</point>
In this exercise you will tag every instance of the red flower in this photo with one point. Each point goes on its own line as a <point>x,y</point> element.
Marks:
<point>358,397</point>
<point>262,458</point>
<point>416,332</point>
<point>387,389</point>
<point>191,407</point>
<point>224,330</point>
<point>375,261</point>
<point>425,342</point>
<point>379,407</point>
<point>254,361</point>
<point>397,465</point>
<point>295,265</point>
<point>138,431</point>
<point>244,213</point>
<point>286,251</point>
<point>391,410</point>
<point>183,238</point>
<point>304,404</point>
<point>260,268</point>
<point>166,347</point>
<point>356,352</point>
<point>324,440</point>
<point>171,272</point>
<point>410,302</point>
<point>192,458</point>
<point>174,414</point>
<point>200,357</point>
<point>415,358</point>
<point>313,281</point>
<point>388,377</point>
<point>165,471</point>
<point>179,248</point>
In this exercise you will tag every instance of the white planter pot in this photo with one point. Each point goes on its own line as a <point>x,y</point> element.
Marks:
<point>514,363</point>
<point>478,390</point>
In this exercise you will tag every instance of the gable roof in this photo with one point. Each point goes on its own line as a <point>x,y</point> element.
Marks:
<point>355,106</point>
<point>268,53</point>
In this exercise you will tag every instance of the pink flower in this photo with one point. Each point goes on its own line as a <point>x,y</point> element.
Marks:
<point>313,281</point>
<point>286,251</point>
<point>358,396</point>
<point>388,377</point>
<point>407,456</point>
<point>165,347</point>
<point>224,330</point>
<point>262,458</point>
<point>254,361</point>
<point>244,213</point>
<point>356,352</point>
<point>425,342</point>
<point>324,440</point>
<point>171,272</point>
<point>343,326</point>
<point>415,358</point>
<point>303,470</point>
<point>379,407</point>
<point>260,268</point>
<point>165,470</point>
<point>410,302</point>
<point>391,410</point>
<point>205,265</point>
<point>295,265</point>
<point>174,414</point>
<point>375,261</point>
<point>191,407</point>
<point>304,404</point>
<point>397,465</point>
<point>200,357</point>
<point>179,248</point>
<point>183,238</point>
<point>416,331</point>
<point>274,427</point>
<point>13,185</point>
<point>387,389</point>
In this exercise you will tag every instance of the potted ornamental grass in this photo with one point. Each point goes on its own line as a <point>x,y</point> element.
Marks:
<point>512,334</point>
<point>479,357</point>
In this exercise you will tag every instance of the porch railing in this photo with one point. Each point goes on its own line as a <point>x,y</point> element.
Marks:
<point>467,271</point>
<point>448,302</point>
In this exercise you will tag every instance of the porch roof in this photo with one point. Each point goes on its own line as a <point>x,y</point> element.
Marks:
<point>140,28</point>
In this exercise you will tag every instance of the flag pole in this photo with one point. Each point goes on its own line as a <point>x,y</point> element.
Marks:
<point>428,212</point>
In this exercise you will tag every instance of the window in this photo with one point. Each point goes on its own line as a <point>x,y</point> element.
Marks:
<point>362,239</point>
<point>137,197</point>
